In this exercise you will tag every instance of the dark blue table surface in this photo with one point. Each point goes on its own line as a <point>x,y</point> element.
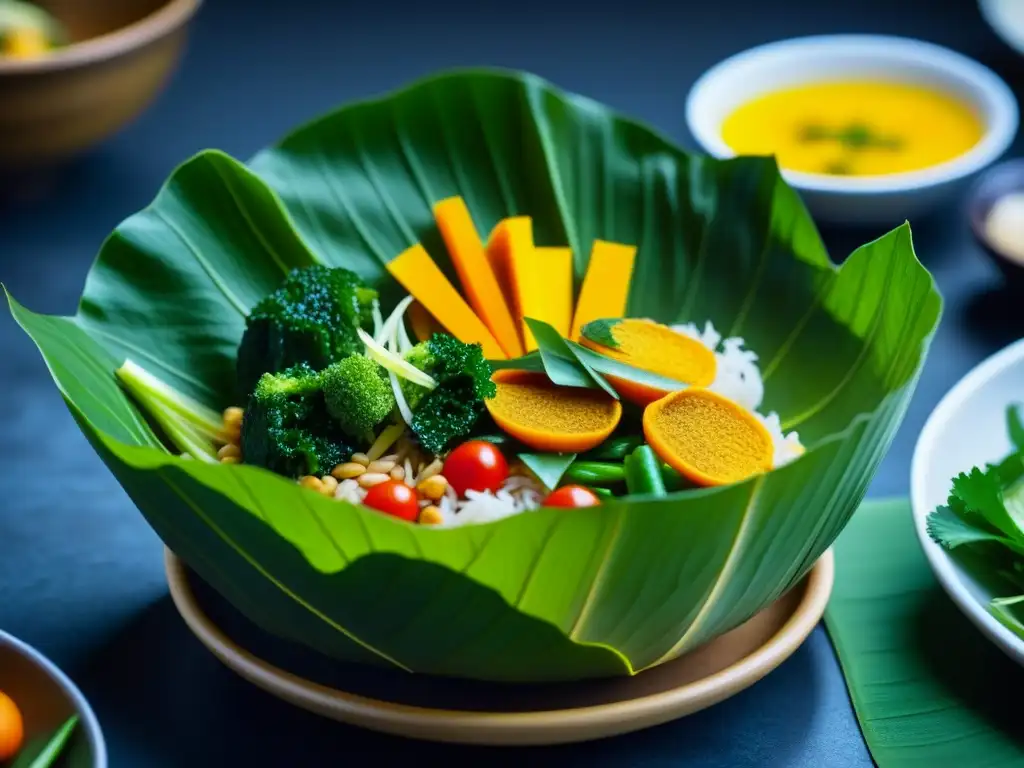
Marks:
<point>80,571</point>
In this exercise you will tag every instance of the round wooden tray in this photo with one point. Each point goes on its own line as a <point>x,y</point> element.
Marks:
<point>467,712</point>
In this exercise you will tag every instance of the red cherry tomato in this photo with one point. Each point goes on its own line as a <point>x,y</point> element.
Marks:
<point>475,466</point>
<point>394,498</point>
<point>571,496</point>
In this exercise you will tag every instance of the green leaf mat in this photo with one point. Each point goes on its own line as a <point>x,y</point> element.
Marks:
<point>928,688</point>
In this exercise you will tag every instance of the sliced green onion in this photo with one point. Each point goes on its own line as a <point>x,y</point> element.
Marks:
<point>189,424</point>
<point>393,362</point>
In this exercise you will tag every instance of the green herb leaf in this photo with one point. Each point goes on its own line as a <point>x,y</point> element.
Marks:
<point>560,365</point>
<point>548,467</point>
<point>1015,427</point>
<point>951,531</point>
<point>600,332</point>
<point>531,361</point>
<point>1007,611</point>
<point>981,493</point>
<point>603,364</point>
<point>560,358</point>
<point>45,754</point>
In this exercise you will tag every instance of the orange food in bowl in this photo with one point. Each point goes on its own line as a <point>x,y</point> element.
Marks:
<point>12,728</point>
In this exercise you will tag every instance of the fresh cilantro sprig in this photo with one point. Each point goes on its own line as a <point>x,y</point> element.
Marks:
<point>985,512</point>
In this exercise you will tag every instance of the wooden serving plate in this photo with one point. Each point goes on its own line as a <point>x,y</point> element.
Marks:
<point>468,712</point>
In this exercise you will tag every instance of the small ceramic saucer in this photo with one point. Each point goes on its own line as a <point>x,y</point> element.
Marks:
<point>485,713</point>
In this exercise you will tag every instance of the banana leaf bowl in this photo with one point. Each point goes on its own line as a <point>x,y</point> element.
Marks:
<point>540,596</point>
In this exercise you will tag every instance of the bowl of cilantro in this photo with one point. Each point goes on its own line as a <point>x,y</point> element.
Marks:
<point>967,492</point>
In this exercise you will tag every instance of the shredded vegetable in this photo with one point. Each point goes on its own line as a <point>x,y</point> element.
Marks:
<point>394,363</point>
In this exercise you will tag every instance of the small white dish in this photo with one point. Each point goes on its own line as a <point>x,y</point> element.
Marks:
<point>887,198</point>
<point>967,429</point>
<point>1006,17</point>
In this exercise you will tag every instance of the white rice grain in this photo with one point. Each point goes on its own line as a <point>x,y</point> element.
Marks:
<point>519,493</point>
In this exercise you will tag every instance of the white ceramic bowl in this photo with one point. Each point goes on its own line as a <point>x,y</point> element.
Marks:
<point>1006,17</point>
<point>867,199</point>
<point>967,429</point>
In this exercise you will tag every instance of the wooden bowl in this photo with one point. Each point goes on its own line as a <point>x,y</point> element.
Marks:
<point>120,55</point>
<point>472,712</point>
<point>47,698</point>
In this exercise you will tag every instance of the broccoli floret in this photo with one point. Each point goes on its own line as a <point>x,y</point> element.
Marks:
<point>312,318</point>
<point>286,427</point>
<point>464,382</point>
<point>358,395</point>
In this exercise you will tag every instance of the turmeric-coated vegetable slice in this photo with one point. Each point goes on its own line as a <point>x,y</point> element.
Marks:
<point>547,417</point>
<point>479,283</point>
<point>708,438</point>
<point>653,347</point>
<point>605,285</point>
<point>422,278</point>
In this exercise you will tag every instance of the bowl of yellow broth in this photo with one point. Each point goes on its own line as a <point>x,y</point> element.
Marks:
<point>870,129</point>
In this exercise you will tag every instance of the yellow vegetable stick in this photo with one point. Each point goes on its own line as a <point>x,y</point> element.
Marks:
<point>420,276</point>
<point>510,251</point>
<point>476,274</point>
<point>552,288</point>
<point>605,286</point>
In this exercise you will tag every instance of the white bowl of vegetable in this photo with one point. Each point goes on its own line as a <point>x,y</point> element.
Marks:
<point>968,497</point>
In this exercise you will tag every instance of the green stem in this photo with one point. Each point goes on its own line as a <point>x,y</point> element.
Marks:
<point>190,425</point>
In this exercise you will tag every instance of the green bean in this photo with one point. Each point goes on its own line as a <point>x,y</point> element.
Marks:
<point>595,473</point>
<point>615,448</point>
<point>601,493</point>
<point>498,440</point>
<point>672,479</point>
<point>643,472</point>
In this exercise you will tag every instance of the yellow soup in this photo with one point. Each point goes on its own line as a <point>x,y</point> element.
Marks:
<point>854,128</point>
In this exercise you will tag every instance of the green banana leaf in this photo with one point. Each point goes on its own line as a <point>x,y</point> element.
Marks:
<point>546,595</point>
